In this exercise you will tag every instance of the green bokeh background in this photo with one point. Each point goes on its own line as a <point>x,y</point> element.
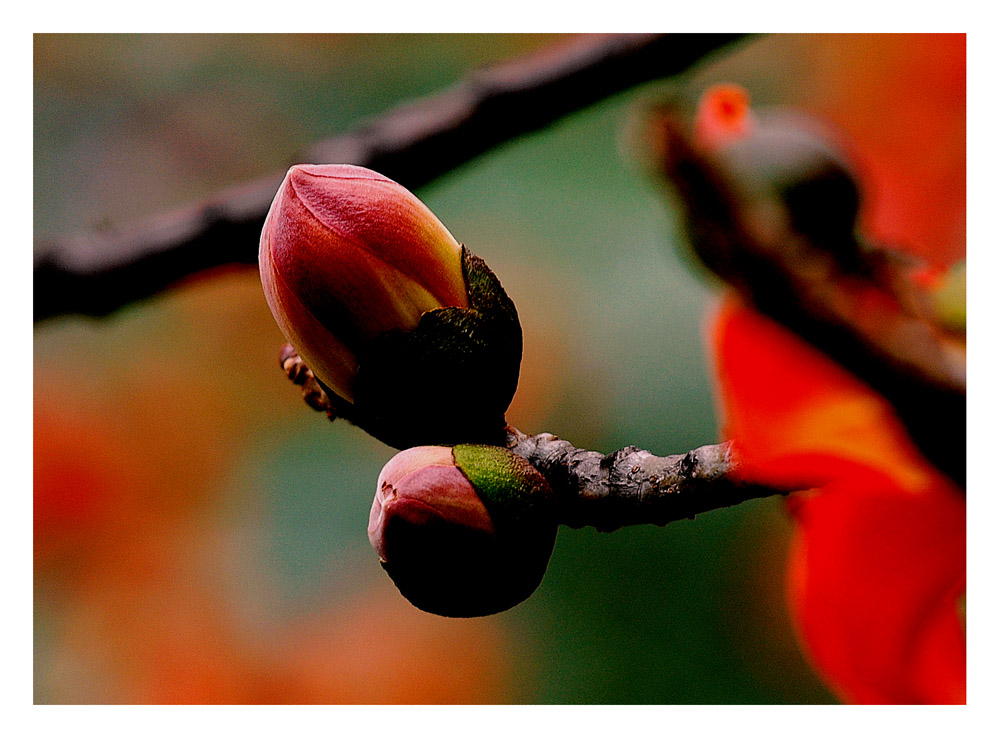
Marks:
<point>127,126</point>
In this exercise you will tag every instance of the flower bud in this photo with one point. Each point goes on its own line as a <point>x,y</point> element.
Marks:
<point>463,531</point>
<point>411,333</point>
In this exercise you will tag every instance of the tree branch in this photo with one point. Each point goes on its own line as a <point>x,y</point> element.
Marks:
<point>604,491</point>
<point>98,273</point>
<point>631,486</point>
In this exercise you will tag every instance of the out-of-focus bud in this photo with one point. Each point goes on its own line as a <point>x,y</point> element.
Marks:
<point>463,531</point>
<point>786,166</point>
<point>412,333</point>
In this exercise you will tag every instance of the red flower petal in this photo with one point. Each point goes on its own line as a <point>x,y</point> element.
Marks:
<point>799,419</point>
<point>878,560</point>
<point>875,577</point>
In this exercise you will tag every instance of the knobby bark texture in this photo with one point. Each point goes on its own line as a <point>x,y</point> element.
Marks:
<point>604,491</point>
<point>631,486</point>
<point>97,273</point>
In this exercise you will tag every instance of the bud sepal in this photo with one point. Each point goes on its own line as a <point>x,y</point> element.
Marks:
<point>451,378</point>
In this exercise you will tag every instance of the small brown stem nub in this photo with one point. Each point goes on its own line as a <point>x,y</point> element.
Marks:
<point>312,391</point>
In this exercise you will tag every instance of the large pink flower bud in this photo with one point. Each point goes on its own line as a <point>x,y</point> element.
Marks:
<point>391,313</point>
<point>463,531</point>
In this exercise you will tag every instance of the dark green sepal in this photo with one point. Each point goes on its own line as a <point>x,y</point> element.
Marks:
<point>450,379</point>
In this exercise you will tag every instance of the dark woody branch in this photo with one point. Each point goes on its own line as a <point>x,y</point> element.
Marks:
<point>97,273</point>
<point>605,491</point>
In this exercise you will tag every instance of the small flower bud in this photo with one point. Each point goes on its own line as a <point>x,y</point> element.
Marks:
<point>463,531</point>
<point>411,332</point>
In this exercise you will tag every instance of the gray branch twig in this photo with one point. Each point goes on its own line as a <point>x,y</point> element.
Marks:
<point>631,486</point>
<point>604,491</point>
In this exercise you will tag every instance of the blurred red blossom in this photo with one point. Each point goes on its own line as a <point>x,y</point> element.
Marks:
<point>876,580</point>
<point>878,558</point>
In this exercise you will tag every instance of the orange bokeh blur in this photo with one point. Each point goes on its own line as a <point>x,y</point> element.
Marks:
<point>900,102</point>
<point>140,576</point>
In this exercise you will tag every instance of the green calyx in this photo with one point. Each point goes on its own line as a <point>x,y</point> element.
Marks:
<point>515,494</point>
<point>450,379</point>
<point>486,295</point>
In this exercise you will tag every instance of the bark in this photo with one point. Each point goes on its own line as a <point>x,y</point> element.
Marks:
<point>631,486</point>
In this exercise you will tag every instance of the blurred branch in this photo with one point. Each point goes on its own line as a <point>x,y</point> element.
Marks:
<point>604,491</point>
<point>854,302</point>
<point>98,273</point>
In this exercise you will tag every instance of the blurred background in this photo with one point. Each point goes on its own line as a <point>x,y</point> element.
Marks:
<point>200,534</point>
